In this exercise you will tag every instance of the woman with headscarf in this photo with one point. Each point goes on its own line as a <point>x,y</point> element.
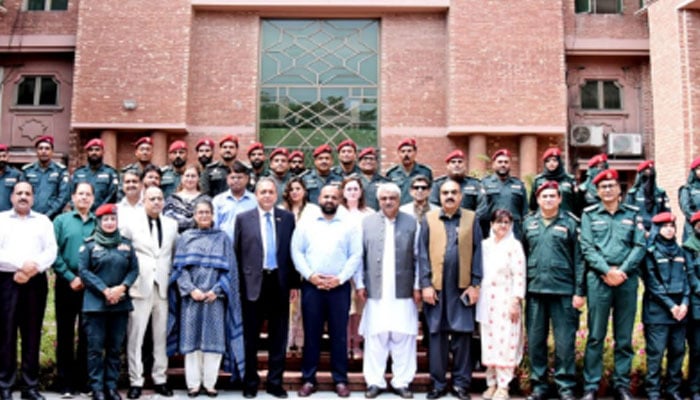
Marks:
<point>554,171</point>
<point>107,267</point>
<point>664,308</point>
<point>499,308</point>
<point>645,195</point>
<point>689,197</point>
<point>205,322</point>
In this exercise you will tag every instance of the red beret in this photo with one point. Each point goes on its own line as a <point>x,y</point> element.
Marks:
<point>324,148</point>
<point>48,139</point>
<point>664,217</point>
<point>606,175</point>
<point>255,146</point>
<point>229,138</point>
<point>547,185</point>
<point>204,142</point>
<point>106,209</point>
<point>695,217</point>
<point>455,154</point>
<point>407,142</point>
<point>143,140</point>
<point>3,147</point>
<point>346,142</point>
<point>551,152</point>
<point>366,152</point>
<point>695,163</point>
<point>500,152</point>
<point>93,143</point>
<point>295,154</point>
<point>177,145</point>
<point>644,165</point>
<point>280,150</point>
<point>597,159</point>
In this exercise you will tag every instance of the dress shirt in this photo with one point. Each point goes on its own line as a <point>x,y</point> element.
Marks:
<point>29,238</point>
<point>330,247</point>
<point>263,231</point>
<point>226,207</point>
<point>128,213</point>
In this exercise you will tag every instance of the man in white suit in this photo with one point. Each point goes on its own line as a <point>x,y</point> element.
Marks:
<point>153,237</point>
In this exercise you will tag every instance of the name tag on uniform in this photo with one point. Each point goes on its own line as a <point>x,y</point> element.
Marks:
<point>679,259</point>
<point>124,247</point>
<point>627,221</point>
<point>102,176</point>
<point>53,175</point>
<point>516,187</point>
<point>598,222</point>
<point>561,229</point>
<point>532,225</point>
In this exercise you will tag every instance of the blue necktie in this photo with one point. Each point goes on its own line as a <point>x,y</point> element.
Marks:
<point>271,249</point>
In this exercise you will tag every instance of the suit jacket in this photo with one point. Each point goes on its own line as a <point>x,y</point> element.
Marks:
<point>373,232</point>
<point>154,263</point>
<point>248,246</point>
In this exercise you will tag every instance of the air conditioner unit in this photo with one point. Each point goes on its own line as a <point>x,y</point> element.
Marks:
<point>587,136</point>
<point>625,144</point>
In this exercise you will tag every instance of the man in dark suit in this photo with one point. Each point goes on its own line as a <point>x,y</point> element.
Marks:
<point>269,283</point>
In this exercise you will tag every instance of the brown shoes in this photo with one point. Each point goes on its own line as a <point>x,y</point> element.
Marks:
<point>307,389</point>
<point>342,390</point>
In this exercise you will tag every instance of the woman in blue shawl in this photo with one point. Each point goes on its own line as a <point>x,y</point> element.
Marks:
<point>205,322</point>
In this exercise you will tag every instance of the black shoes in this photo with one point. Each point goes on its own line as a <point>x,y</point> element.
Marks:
<point>566,396</point>
<point>32,394</point>
<point>250,393</point>
<point>436,393</point>
<point>307,389</point>
<point>277,391</point>
<point>5,394</point>
<point>163,390</point>
<point>404,392</point>
<point>461,393</point>
<point>98,396</point>
<point>113,394</point>
<point>590,395</point>
<point>134,392</point>
<point>674,396</point>
<point>372,392</point>
<point>622,394</point>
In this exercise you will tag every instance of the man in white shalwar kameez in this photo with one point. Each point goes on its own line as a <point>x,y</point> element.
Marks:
<point>389,283</point>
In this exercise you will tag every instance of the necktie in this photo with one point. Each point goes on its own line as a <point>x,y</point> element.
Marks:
<point>270,247</point>
<point>154,234</point>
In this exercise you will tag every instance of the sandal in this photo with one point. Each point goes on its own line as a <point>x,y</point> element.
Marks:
<point>193,392</point>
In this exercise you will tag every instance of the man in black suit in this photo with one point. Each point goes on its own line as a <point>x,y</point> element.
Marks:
<point>269,283</point>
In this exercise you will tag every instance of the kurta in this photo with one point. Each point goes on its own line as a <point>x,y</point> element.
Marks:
<point>201,323</point>
<point>504,280</point>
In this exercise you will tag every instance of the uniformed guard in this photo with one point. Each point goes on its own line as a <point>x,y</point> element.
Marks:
<point>369,174</point>
<point>689,196</point>
<point>664,308</point>
<point>296,163</point>
<point>612,242</point>
<point>555,290</point>
<point>205,152</point>
<point>588,195</point>
<point>104,179</point>
<point>645,195</point>
<point>347,159</point>
<point>402,173</point>
<point>315,179</point>
<point>143,151</point>
<point>49,179</point>
<point>171,174</point>
<point>256,156</point>
<point>279,170</point>
<point>8,177</point>
<point>457,170</point>
<point>691,246</point>
<point>213,178</point>
<point>501,190</point>
<point>554,171</point>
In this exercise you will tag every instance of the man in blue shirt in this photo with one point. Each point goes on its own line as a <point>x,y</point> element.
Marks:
<point>327,251</point>
<point>233,201</point>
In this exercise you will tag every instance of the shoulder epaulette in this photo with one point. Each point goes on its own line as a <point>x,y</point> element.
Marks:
<point>631,207</point>
<point>441,177</point>
<point>27,166</point>
<point>303,174</point>
<point>165,168</point>
<point>591,207</point>
<point>60,165</point>
<point>425,166</point>
<point>573,216</point>
<point>633,189</point>
<point>392,168</point>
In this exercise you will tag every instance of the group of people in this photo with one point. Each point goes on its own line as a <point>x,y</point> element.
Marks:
<point>207,253</point>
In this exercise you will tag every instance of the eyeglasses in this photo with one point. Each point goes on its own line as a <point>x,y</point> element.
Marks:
<point>446,192</point>
<point>419,187</point>
<point>608,186</point>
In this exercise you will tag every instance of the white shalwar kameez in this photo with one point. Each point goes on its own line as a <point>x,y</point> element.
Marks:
<point>389,326</point>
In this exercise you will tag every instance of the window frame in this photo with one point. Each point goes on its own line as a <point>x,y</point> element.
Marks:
<point>37,92</point>
<point>590,7</point>
<point>47,6</point>
<point>600,95</point>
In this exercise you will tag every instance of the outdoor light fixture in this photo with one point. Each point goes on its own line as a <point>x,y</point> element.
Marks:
<point>129,104</point>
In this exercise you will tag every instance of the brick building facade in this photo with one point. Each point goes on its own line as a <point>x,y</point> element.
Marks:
<point>471,74</point>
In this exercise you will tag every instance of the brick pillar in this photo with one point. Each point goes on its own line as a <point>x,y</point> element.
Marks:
<point>477,148</point>
<point>528,155</point>
<point>160,148</point>
<point>110,154</point>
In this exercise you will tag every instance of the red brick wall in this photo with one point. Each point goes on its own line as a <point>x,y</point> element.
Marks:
<point>627,25</point>
<point>16,22</point>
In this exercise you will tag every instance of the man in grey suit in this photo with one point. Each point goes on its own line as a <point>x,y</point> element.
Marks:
<point>388,282</point>
<point>450,274</point>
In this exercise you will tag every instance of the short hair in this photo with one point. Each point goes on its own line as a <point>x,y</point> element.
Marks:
<point>421,178</point>
<point>75,188</point>
<point>14,187</point>
<point>133,172</point>
<point>150,168</point>
<point>390,187</point>
<point>500,214</point>
<point>237,168</point>
<point>265,179</point>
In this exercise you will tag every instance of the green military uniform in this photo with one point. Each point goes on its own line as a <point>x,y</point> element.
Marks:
<point>315,182</point>
<point>212,181</point>
<point>399,176</point>
<point>587,191</point>
<point>338,170</point>
<point>661,203</point>
<point>689,200</point>
<point>555,273</point>
<point>169,181</point>
<point>254,177</point>
<point>567,188</point>
<point>134,166</point>
<point>281,184</point>
<point>104,181</point>
<point>665,286</point>
<point>508,194</point>
<point>51,187</point>
<point>471,188</point>
<point>611,239</point>
<point>71,231</point>
<point>370,188</point>
<point>691,249</point>
<point>8,178</point>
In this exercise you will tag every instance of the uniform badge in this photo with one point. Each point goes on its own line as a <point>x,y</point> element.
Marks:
<point>124,247</point>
